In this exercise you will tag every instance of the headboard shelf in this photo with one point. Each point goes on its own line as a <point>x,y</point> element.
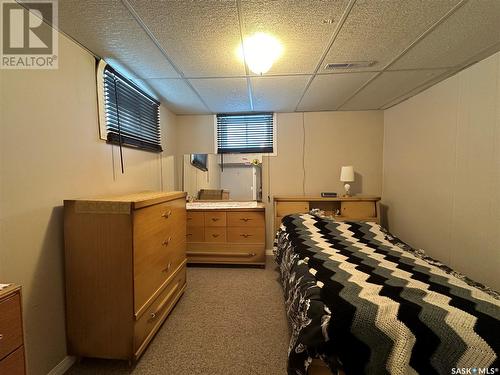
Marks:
<point>359,208</point>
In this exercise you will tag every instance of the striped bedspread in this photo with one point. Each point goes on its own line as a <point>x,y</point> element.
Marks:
<point>360,302</point>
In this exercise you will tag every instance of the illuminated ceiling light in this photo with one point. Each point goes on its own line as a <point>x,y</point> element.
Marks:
<point>260,51</point>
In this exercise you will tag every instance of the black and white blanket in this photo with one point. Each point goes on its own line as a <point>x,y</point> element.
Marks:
<point>358,301</point>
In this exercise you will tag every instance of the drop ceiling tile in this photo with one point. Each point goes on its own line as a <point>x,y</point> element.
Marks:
<point>176,95</point>
<point>298,24</point>
<point>380,30</point>
<point>328,91</point>
<point>279,94</point>
<point>472,28</point>
<point>389,86</point>
<point>108,29</point>
<point>200,37</point>
<point>223,94</point>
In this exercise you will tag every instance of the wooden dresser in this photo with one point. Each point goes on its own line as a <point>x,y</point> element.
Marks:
<point>226,235</point>
<point>350,208</point>
<point>11,332</point>
<point>125,260</point>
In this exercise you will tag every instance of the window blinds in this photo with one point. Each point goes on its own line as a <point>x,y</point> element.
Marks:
<point>245,133</point>
<point>132,116</point>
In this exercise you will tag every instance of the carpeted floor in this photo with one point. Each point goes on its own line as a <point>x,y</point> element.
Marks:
<point>230,321</point>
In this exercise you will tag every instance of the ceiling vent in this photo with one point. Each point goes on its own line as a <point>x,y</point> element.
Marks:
<point>349,65</point>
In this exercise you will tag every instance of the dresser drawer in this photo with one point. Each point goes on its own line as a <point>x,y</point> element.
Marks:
<point>195,219</point>
<point>154,264</point>
<point>195,234</point>
<point>246,235</point>
<point>164,218</point>
<point>10,325</point>
<point>287,208</point>
<point>149,322</point>
<point>13,364</point>
<point>215,234</point>
<point>245,219</point>
<point>215,219</point>
<point>229,253</point>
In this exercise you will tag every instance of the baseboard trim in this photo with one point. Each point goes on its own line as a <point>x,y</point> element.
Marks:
<point>63,366</point>
<point>269,252</point>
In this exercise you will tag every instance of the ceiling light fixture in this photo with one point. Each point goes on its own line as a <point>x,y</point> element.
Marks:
<point>260,51</point>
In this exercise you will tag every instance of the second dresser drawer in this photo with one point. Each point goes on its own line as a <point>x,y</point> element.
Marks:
<point>154,261</point>
<point>245,219</point>
<point>10,325</point>
<point>246,235</point>
<point>215,219</point>
<point>157,311</point>
<point>195,234</point>
<point>215,234</point>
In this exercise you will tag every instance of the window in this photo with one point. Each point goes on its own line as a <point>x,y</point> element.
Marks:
<point>245,133</point>
<point>128,116</point>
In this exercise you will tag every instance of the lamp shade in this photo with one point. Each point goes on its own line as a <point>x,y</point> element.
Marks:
<point>347,174</point>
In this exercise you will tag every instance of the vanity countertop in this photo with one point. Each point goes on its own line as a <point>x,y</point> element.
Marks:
<point>224,205</point>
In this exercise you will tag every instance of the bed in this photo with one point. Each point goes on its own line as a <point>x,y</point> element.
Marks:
<point>364,303</point>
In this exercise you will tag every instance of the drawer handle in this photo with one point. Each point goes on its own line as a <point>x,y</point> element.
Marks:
<point>245,235</point>
<point>167,241</point>
<point>1,336</point>
<point>189,234</point>
<point>245,219</point>
<point>167,268</point>
<point>215,219</point>
<point>167,214</point>
<point>215,235</point>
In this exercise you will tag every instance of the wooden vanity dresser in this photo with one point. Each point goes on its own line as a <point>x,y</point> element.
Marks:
<point>125,262</point>
<point>230,235</point>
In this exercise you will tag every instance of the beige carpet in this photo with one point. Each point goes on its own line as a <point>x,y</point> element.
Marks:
<point>230,321</point>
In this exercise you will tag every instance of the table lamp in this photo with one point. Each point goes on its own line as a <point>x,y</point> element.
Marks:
<point>347,175</point>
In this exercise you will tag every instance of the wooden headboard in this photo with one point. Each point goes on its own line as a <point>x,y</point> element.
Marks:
<point>359,208</point>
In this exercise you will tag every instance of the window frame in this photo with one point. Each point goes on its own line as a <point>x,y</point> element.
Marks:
<point>275,141</point>
<point>101,101</point>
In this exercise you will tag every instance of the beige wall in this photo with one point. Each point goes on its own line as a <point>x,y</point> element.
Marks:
<point>332,139</point>
<point>442,171</point>
<point>50,151</point>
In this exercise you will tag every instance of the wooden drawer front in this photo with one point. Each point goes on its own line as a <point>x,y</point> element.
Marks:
<point>195,234</point>
<point>245,219</point>
<point>195,219</point>
<point>230,253</point>
<point>167,217</point>
<point>246,235</point>
<point>287,208</point>
<point>357,210</point>
<point>155,258</point>
<point>215,219</point>
<point>215,234</point>
<point>159,309</point>
<point>13,364</point>
<point>10,325</point>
